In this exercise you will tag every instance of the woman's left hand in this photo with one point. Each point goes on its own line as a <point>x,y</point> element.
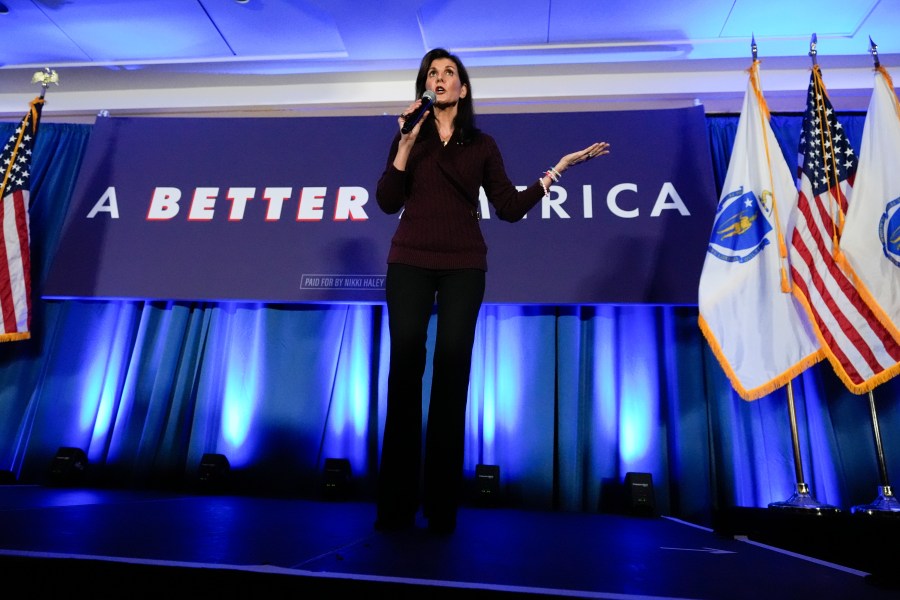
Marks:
<point>593,151</point>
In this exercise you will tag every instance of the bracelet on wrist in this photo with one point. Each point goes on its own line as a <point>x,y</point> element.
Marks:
<point>544,185</point>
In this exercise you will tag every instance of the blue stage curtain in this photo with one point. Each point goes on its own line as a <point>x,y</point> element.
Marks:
<point>565,399</point>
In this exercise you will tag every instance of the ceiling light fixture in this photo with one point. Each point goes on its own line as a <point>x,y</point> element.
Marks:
<point>3,9</point>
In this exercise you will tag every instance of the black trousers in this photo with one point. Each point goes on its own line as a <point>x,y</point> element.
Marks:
<point>411,296</point>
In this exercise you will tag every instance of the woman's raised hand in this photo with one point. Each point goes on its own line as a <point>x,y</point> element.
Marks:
<point>593,151</point>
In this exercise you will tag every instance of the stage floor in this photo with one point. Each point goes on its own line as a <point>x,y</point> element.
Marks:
<point>105,540</point>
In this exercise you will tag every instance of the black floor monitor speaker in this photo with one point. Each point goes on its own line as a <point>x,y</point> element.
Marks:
<point>213,473</point>
<point>336,477</point>
<point>487,478</point>
<point>639,492</point>
<point>68,466</point>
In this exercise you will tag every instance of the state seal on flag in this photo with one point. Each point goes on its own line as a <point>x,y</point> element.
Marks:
<point>889,231</point>
<point>741,227</point>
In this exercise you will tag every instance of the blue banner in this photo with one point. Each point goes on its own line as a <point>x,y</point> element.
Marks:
<point>283,210</point>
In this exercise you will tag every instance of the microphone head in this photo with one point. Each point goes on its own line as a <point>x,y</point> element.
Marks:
<point>429,96</point>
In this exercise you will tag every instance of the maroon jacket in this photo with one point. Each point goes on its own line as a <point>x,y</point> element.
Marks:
<point>439,227</point>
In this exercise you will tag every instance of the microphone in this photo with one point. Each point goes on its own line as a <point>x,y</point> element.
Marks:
<point>428,98</point>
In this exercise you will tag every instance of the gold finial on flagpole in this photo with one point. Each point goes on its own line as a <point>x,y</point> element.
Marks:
<point>812,49</point>
<point>873,48</point>
<point>753,47</point>
<point>45,78</point>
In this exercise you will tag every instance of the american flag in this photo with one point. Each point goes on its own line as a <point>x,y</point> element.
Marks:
<point>858,346</point>
<point>15,253</point>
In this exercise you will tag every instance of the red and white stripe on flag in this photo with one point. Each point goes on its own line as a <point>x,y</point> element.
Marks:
<point>15,252</point>
<point>859,347</point>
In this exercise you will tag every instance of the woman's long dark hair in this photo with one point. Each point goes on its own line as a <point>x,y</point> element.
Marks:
<point>464,123</point>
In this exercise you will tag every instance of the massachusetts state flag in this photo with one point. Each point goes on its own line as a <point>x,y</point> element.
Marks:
<point>870,244</point>
<point>861,348</point>
<point>15,257</point>
<point>754,325</point>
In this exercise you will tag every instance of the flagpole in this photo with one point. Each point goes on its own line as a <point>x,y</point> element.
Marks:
<point>15,192</point>
<point>873,48</point>
<point>885,502</point>
<point>801,499</point>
